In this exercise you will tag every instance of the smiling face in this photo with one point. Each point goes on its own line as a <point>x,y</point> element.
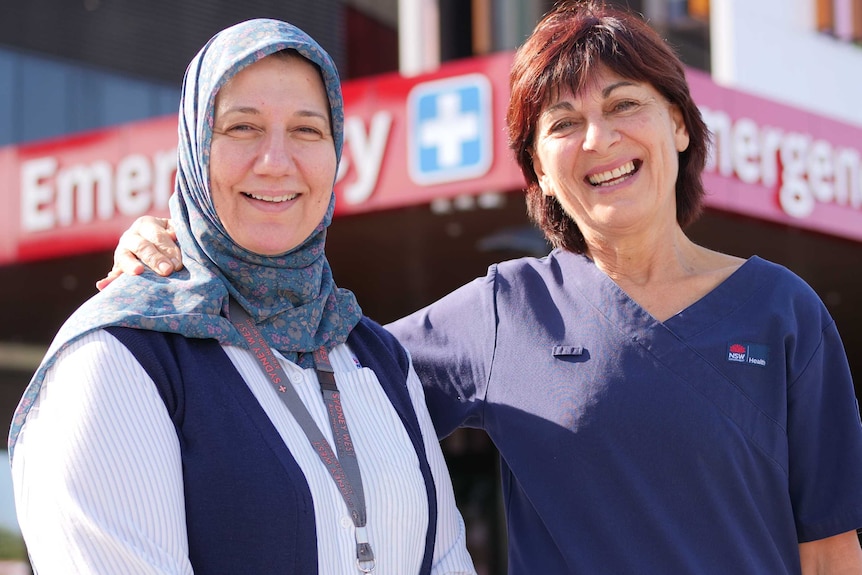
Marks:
<point>609,155</point>
<point>272,159</point>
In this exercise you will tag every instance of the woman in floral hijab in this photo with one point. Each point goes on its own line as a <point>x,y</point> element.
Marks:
<point>155,436</point>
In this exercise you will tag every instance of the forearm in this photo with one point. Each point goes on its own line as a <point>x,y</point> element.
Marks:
<point>837,555</point>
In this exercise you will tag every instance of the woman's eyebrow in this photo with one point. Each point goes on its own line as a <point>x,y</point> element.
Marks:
<point>241,110</point>
<point>312,114</point>
<point>564,105</point>
<point>608,89</point>
<point>255,111</point>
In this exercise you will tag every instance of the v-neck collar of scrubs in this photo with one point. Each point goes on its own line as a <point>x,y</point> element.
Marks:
<point>622,311</point>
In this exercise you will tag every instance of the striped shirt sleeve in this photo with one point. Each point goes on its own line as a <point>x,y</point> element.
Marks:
<point>97,473</point>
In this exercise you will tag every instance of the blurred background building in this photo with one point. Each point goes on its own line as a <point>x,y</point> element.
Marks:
<point>88,98</point>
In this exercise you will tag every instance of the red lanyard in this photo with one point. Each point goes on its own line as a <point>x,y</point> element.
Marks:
<point>344,469</point>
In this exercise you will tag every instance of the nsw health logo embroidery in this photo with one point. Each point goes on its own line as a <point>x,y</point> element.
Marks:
<point>751,353</point>
<point>449,129</point>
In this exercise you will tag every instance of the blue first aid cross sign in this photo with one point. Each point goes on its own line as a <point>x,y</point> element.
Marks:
<point>449,133</point>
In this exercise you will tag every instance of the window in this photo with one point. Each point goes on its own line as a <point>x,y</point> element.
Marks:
<point>699,10</point>
<point>680,14</point>
<point>685,24</point>
<point>840,18</point>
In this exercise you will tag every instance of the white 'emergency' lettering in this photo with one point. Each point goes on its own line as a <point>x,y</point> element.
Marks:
<point>809,170</point>
<point>52,196</point>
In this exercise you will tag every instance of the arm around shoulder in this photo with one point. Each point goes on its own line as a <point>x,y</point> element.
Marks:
<point>452,343</point>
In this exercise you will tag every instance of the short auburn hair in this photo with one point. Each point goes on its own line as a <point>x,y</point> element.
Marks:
<point>566,48</point>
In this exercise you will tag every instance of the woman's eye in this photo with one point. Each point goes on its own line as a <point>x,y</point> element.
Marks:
<point>624,105</point>
<point>309,132</point>
<point>234,129</point>
<point>562,126</point>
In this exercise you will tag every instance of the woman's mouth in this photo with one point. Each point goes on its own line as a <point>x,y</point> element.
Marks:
<point>273,199</point>
<point>614,176</point>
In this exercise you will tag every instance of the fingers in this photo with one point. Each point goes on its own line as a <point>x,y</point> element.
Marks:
<point>151,241</point>
<point>169,228</point>
<point>126,261</point>
<point>135,250</point>
<point>112,275</point>
<point>161,234</point>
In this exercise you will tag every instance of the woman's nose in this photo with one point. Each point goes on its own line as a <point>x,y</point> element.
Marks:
<point>600,135</point>
<point>275,156</point>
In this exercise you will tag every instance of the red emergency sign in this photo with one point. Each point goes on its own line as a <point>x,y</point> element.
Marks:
<point>411,140</point>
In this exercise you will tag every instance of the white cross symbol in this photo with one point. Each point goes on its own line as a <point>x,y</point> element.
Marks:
<point>449,130</point>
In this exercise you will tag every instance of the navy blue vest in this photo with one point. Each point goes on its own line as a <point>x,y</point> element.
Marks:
<point>248,506</point>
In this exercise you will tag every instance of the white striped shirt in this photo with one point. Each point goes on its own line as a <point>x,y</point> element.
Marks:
<point>98,474</point>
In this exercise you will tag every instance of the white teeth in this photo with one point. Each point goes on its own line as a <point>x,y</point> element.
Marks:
<point>274,199</point>
<point>605,177</point>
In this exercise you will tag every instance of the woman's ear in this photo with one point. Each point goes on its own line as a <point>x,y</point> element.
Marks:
<point>680,130</point>
<point>541,177</point>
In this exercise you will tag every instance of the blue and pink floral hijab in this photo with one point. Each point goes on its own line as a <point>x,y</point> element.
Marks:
<point>292,297</point>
